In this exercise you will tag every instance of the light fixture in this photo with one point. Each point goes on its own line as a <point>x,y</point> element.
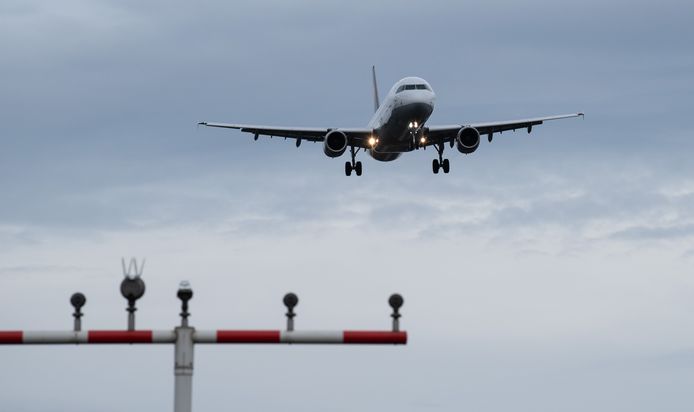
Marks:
<point>372,141</point>
<point>416,125</point>
<point>410,125</point>
<point>422,140</point>
<point>185,293</point>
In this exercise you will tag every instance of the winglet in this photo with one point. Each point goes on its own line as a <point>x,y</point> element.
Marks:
<point>376,100</point>
<point>202,123</point>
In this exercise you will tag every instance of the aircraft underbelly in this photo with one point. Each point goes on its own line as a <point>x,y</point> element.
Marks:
<point>394,135</point>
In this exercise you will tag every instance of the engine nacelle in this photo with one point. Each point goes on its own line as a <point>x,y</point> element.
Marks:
<point>335,143</point>
<point>467,140</point>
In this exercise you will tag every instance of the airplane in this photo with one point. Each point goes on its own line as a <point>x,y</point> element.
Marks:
<point>398,126</point>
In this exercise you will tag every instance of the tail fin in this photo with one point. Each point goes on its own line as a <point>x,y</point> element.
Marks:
<point>376,101</point>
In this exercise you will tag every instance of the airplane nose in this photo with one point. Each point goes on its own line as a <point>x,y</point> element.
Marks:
<point>416,110</point>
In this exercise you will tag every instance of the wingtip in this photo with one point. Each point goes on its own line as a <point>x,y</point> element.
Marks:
<point>202,123</point>
<point>582,115</point>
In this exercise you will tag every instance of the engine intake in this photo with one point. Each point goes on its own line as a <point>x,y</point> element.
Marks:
<point>335,143</point>
<point>467,140</point>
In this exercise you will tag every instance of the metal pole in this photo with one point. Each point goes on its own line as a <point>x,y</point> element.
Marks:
<point>78,323</point>
<point>396,324</point>
<point>183,370</point>
<point>184,314</point>
<point>131,319</point>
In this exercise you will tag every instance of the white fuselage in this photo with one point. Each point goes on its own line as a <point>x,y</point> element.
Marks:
<point>400,118</point>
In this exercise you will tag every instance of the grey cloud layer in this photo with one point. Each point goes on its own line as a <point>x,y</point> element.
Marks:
<point>546,272</point>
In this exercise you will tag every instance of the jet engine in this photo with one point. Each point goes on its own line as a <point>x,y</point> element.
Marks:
<point>467,140</point>
<point>335,143</point>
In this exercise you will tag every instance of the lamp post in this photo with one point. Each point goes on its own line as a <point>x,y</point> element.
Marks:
<point>185,293</point>
<point>183,354</point>
<point>290,301</point>
<point>77,300</point>
<point>395,301</point>
<point>132,288</point>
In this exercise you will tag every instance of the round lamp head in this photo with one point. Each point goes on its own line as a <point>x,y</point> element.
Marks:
<point>291,300</point>
<point>132,288</point>
<point>185,293</point>
<point>78,300</point>
<point>395,301</point>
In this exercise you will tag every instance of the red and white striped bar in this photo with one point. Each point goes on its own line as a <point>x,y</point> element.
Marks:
<point>87,337</point>
<point>211,336</point>
<point>301,337</point>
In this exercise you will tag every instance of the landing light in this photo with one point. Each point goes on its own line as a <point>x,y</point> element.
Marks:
<point>410,125</point>
<point>416,125</point>
<point>372,141</point>
<point>422,140</point>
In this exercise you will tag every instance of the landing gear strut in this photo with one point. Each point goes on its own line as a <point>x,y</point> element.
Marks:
<point>440,163</point>
<point>353,165</point>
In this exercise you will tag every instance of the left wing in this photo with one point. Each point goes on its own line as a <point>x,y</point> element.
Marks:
<point>357,136</point>
<point>439,134</point>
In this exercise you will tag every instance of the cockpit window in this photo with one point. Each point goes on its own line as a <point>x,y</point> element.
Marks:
<point>412,87</point>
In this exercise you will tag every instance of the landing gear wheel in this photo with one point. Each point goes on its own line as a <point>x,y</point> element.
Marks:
<point>353,165</point>
<point>440,162</point>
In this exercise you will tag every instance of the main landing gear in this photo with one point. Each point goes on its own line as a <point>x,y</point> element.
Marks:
<point>440,163</point>
<point>353,165</point>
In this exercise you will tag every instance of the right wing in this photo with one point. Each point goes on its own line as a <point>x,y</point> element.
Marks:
<point>356,136</point>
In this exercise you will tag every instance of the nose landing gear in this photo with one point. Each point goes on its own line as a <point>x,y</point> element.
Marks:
<point>440,163</point>
<point>418,137</point>
<point>353,165</point>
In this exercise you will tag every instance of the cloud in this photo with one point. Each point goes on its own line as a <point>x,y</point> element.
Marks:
<point>656,233</point>
<point>558,252</point>
<point>38,269</point>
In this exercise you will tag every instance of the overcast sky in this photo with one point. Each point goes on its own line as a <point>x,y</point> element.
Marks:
<point>546,272</point>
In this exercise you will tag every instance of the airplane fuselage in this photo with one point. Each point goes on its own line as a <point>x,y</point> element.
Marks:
<point>401,117</point>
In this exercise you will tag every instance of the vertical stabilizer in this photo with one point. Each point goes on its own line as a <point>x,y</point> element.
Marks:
<point>376,101</point>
